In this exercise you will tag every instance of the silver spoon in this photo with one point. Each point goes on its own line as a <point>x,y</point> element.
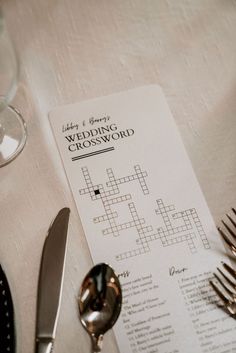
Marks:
<point>100,302</point>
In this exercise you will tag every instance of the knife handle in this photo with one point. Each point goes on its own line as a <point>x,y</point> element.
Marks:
<point>44,345</point>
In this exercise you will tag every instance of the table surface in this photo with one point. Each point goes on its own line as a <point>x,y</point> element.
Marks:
<point>72,50</point>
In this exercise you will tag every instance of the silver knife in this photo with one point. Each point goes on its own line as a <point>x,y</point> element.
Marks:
<point>50,282</point>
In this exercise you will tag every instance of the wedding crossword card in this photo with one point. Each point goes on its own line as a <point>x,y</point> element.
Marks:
<point>143,212</point>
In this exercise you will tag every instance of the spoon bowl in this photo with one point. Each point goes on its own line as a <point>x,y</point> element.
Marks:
<point>100,302</point>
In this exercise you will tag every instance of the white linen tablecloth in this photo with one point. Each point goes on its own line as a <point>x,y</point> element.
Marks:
<point>72,50</point>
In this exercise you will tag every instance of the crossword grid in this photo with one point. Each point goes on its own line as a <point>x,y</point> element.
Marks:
<point>97,192</point>
<point>138,224</point>
<point>190,220</point>
<point>139,175</point>
<point>172,232</point>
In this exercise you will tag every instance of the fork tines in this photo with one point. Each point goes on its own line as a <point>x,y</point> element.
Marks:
<point>225,287</point>
<point>228,233</point>
<point>225,284</point>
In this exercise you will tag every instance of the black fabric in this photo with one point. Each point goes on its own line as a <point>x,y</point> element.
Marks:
<point>7,331</point>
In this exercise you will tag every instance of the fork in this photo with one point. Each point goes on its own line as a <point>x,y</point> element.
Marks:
<point>227,295</point>
<point>229,240</point>
<point>221,287</point>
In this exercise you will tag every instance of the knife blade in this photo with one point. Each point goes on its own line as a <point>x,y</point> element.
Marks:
<point>51,281</point>
<point>7,329</point>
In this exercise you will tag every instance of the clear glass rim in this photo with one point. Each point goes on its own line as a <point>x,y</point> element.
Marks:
<point>22,141</point>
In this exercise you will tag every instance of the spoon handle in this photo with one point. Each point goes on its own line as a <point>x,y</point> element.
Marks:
<point>97,343</point>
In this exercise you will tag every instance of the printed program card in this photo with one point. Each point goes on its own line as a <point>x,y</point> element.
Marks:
<point>143,212</point>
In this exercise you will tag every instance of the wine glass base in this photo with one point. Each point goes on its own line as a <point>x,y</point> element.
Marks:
<point>13,135</point>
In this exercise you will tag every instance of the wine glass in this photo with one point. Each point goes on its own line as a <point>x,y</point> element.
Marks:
<point>12,126</point>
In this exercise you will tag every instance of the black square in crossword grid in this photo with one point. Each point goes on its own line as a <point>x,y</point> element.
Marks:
<point>97,192</point>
